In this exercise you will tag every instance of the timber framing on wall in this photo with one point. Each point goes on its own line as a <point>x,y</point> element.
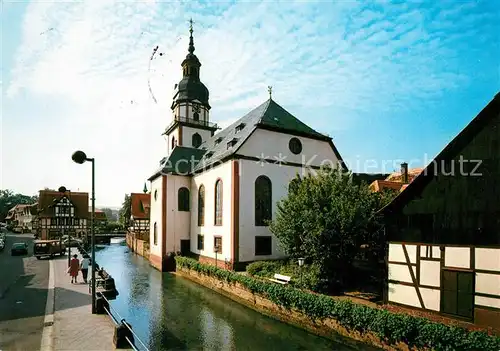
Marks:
<point>416,279</point>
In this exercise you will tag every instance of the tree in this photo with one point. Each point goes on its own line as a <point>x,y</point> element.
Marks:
<point>108,212</point>
<point>124,212</point>
<point>9,199</point>
<point>325,219</point>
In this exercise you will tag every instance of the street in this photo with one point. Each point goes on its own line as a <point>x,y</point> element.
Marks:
<point>23,296</point>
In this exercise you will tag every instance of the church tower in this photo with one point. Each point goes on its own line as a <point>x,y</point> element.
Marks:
<point>190,108</point>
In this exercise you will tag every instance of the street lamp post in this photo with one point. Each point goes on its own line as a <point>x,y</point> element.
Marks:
<point>80,157</point>
<point>301,263</point>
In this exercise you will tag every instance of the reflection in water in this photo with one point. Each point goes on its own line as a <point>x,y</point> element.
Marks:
<point>172,313</point>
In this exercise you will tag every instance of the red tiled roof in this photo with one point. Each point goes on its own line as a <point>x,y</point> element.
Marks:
<point>139,205</point>
<point>394,181</point>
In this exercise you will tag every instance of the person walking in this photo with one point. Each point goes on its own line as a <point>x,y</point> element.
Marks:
<point>74,267</point>
<point>84,267</point>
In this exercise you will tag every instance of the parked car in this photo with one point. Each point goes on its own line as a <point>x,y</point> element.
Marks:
<point>48,248</point>
<point>19,249</point>
<point>2,244</point>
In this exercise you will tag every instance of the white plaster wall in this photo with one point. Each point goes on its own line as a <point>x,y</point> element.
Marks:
<point>280,177</point>
<point>181,112</point>
<point>178,222</point>
<point>487,301</point>
<point>156,215</point>
<point>314,152</point>
<point>488,283</point>
<point>403,294</point>
<point>187,135</point>
<point>431,298</point>
<point>396,253</point>
<point>401,272</point>
<point>173,134</point>
<point>458,257</point>
<point>209,230</point>
<point>430,273</point>
<point>487,259</point>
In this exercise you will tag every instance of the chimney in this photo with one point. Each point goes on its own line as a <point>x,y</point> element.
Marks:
<point>404,173</point>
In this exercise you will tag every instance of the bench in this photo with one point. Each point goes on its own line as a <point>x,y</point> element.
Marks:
<point>280,279</point>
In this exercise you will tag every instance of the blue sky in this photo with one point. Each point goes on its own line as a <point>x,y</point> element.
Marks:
<point>386,80</point>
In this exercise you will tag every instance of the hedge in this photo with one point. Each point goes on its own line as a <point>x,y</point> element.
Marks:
<point>388,326</point>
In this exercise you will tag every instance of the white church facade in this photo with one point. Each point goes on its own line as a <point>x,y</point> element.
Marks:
<point>215,191</point>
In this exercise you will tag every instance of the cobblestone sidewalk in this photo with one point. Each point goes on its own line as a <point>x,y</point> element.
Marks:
<point>75,327</point>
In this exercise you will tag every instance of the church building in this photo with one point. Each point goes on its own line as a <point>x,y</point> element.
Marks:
<point>215,191</point>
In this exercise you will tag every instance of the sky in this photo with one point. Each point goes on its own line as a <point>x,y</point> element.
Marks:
<point>386,80</point>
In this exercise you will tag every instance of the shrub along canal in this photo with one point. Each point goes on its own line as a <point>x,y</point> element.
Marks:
<point>172,313</point>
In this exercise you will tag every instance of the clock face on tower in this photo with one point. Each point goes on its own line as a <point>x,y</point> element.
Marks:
<point>196,108</point>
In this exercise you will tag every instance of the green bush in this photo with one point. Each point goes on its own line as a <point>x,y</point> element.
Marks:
<point>307,278</point>
<point>391,327</point>
<point>264,268</point>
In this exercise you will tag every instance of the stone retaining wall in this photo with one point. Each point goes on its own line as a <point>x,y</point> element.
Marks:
<point>328,328</point>
<point>138,246</point>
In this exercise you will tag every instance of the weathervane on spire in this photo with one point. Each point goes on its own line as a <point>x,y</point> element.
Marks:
<point>270,91</point>
<point>191,41</point>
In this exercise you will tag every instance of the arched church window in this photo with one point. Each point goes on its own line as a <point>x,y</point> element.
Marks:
<point>155,234</point>
<point>174,142</point>
<point>263,201</point>
<point>218,202</point>
<point>183,199</point>
<point>201,206</point>
<point>196,116</point>
<point>196,140</point>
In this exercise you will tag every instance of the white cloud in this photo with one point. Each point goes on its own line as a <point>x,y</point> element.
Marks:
<point>95,56</point>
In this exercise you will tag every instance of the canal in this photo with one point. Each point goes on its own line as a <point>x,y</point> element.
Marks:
<point>172,313</point>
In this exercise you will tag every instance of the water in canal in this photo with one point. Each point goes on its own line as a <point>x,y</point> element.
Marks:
<point>172,313</point>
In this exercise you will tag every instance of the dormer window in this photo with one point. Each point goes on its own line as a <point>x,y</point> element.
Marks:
<point>218,140</point>
<point>239,127</point>
<point>209,154</point>
<point>231,143</point>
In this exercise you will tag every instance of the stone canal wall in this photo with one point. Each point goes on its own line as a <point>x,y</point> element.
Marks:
<point>138,246</point>
<point>328,328</point>
<point>337,319</point>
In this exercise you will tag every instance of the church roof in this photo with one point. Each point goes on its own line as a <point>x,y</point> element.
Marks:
<point>181,161</point>
<point>268,115</point>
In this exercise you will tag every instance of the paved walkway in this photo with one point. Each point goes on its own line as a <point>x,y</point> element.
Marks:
<point>74,325</point>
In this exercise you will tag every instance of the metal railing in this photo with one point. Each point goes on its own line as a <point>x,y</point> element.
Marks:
<point>121,321</point>
<point>118,321</point>
<point>193,121</point>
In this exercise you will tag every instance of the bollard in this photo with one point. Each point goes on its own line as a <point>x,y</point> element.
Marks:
<point>101,304</point>
<point>120,335</point>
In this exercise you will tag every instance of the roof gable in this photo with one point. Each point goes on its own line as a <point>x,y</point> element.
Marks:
<point>268,115</point>
<point>140,205</point>
<point>48,198</point>
<point>491,111</point>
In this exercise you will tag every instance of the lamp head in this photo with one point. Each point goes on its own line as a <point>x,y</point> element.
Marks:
<point>301,261</point>
<point>79,157</point>
<point>62,189</point>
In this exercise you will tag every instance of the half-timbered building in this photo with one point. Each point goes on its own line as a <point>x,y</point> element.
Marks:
<point>444,229</point>
<point>139,215</point>
<point>62,213</point>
